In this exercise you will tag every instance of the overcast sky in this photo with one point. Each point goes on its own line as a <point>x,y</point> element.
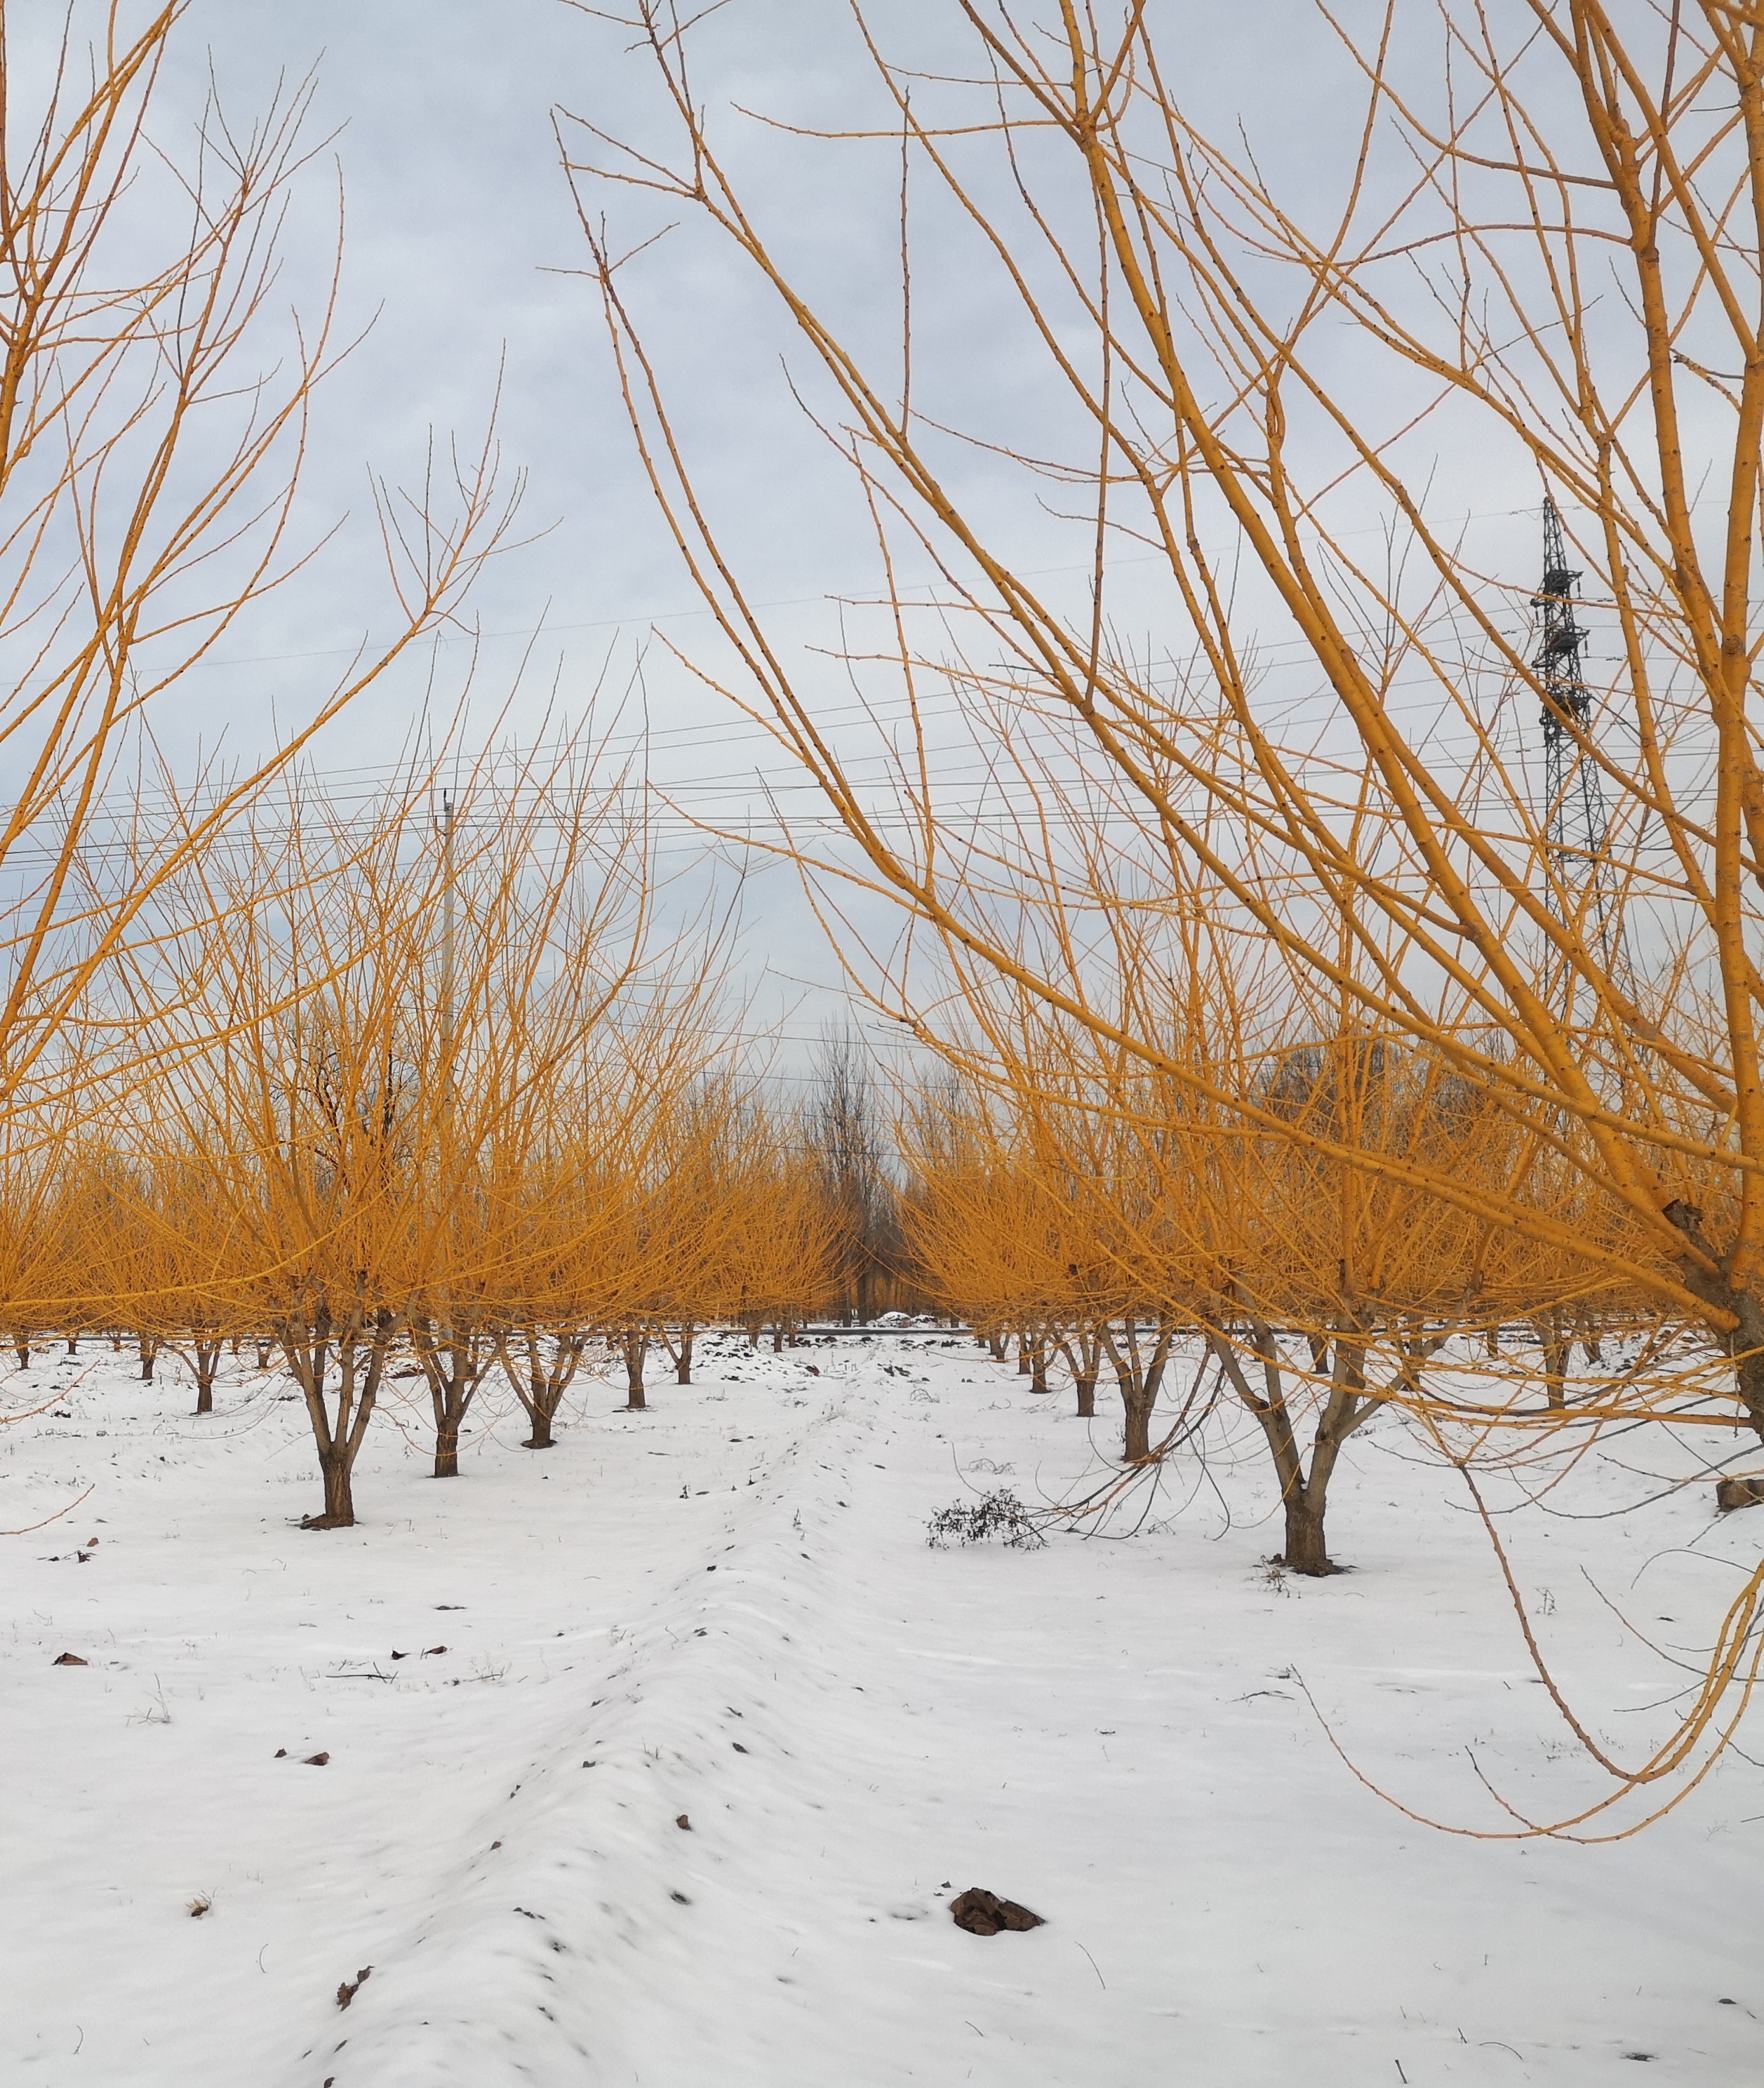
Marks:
<point>460,244</point>
<point>460,248</point>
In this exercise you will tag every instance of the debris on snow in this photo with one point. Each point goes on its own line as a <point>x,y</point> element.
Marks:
<point>982,1913</point>
<point>997,1513</point>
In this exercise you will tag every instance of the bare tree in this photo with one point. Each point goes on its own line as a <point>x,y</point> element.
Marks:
<point>847,1134</point>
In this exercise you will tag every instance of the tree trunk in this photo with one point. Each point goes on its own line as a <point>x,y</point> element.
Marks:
<point>450,1356</point>
<point>1558,1349</point>
<point>355,1345</point>
<point>1083,1352</point>
<point>1749,1380</point>
<point>1139,1372</point>
<point>540,1386</point>
<point>1037,1381</point>
<point>339,1496</point>
<point>1135,1432</point>
<point>636,1347</point>
<point>1744,1341</point>
<point>149,1357</point>
<point>1303,1498</point>
<point>682,1358</point>
<point>206,1357</point>
<point>22,1344</point>
<point>262,1355</point>
<point>1306,1550</point>
<point>1305,1495</point>
<point>73,1345</point>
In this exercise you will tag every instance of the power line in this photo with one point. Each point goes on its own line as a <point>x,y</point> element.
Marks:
<point>645,619</point>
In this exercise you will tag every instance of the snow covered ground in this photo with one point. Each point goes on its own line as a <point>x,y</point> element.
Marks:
<point>725,1609</point>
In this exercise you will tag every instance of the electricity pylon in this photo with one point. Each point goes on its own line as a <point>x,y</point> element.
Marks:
<point>1576,824</point>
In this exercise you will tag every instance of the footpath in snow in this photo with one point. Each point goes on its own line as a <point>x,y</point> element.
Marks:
<point>657,1758</point>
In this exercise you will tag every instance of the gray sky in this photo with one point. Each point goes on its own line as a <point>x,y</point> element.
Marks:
<point>460,241</point>
<point>461,236</point>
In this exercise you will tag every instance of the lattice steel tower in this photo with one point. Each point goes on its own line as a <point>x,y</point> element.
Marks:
<point>1577,823</point>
